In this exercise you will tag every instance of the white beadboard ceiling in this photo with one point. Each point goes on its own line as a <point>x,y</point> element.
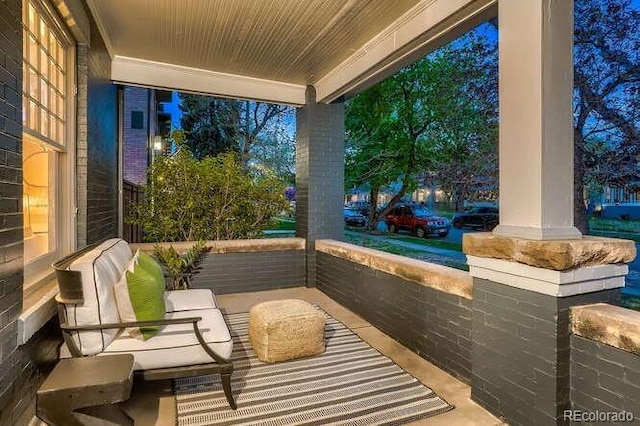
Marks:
<point>273,49</point>
<point>292,41</point>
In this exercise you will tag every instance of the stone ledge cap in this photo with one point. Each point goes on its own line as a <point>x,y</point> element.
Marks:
<point>558,255</point>
<point>608,324</point>
<point>233,246</point>
<point>442,278</point>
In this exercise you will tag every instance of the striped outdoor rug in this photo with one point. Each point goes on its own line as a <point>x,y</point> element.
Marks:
<point>351,383</point>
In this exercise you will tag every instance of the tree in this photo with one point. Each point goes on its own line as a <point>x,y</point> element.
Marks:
<point>261,130</point>
<point>187,199</point>
<point>466,146</point>
<point>606,96</point>
<point>419,120</point>
<point>258,133</point>
<point>210,124</point>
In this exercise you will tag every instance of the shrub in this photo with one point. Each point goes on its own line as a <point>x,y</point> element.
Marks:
<point>209,199</point>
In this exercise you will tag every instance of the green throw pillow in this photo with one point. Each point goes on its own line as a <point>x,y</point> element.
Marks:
<point>146,291</point>
<point>151,265</point>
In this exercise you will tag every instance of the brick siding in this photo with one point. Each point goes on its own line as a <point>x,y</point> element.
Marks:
<point>319,175</point>
<point>434,324</point>
<point>135,149</point>
<point>521,351</point>
<point>604,378</point>
<point>102,147</point>
<point>243,272</point>
<point>11,244</point>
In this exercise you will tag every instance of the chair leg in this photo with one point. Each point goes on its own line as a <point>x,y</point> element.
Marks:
<point>225,378</point>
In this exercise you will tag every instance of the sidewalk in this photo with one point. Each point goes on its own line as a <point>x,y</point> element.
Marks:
<point>413,246</point>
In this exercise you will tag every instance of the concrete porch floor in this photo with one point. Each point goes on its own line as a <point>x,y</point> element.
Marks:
<point>152,403</point>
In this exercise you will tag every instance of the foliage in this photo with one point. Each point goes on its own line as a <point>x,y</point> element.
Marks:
<point>210,199</point>
<point>606,101</point>
<point>427,119</point>
<point>180,267</point>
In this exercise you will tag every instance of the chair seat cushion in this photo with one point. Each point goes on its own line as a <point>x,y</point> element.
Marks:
<point>177,345</point>
<point>189,300</point>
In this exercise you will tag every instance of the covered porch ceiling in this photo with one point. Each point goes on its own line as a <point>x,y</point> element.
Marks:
<point>272,49</point>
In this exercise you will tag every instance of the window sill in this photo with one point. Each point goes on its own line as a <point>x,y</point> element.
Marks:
<point>38,308</point>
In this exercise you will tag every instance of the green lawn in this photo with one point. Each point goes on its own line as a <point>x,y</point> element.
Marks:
<point>283,224</point>
<point>631,302</point>
<point>615,225</point>
<point>403,251</point>
<point>432,242</point>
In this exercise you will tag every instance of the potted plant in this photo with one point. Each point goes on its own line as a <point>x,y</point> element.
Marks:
<point>180,267</point>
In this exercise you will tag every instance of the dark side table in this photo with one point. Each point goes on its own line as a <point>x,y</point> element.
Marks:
<point>86,391</point>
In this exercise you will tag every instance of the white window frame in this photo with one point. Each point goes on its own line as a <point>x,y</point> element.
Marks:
<point>38,272</point>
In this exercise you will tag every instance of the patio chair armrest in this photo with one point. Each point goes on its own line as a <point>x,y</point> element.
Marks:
<point>115,325</point>
<point>67,329</point>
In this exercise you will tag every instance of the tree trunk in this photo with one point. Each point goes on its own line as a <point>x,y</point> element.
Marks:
<point>580,219</point>
<point>373,201</point>
<point>394,200</point>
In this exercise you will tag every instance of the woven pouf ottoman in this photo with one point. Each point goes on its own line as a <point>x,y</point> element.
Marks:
<point>285,329</point>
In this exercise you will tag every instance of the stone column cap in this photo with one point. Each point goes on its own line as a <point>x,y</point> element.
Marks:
<point>558,255</point>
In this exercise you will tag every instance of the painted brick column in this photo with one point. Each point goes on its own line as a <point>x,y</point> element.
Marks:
<point>319,175</point>
<point>11,245</point>
<point>523,291</point>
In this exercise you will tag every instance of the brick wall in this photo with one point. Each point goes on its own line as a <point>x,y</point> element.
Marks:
<point>135,149</point>
<point>521,351</point>
<point>319,175</point>
<point>604,378</point>
<point>11,261</point>
<point>243,272</point>
<point>434,324</point>
<point>33,362</point>
<point>102,146</point>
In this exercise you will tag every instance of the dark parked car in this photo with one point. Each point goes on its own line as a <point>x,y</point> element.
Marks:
<point>361,207</point>
<point>417,219</point>
<point>479,217</point>
<point>354,218</point>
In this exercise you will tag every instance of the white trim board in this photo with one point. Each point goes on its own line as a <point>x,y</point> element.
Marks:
<point>545,281</point>
<point>141,72</point>
<point>425,27</point>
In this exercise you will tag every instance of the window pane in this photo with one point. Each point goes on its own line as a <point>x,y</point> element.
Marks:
<point>44,123</point>
<point>33,21</point>
<point>44,63</point>
<point>33,51</point>
<point>34,83</point>
<point>61,111</point>
<point>44,93</point>
<point>44,31</point>
<point>34,115</point>
<point>60,131</point>
<point>36,199</point>
<point>60,51</point>
<point>53,104</point>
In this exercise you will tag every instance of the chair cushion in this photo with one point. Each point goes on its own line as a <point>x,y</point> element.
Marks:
<point>140,297</point>
<point>100,269</point>
<point>189,300</point>
<point>177,345</point>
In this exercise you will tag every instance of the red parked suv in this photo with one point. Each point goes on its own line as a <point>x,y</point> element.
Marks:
<point>417,219</point>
